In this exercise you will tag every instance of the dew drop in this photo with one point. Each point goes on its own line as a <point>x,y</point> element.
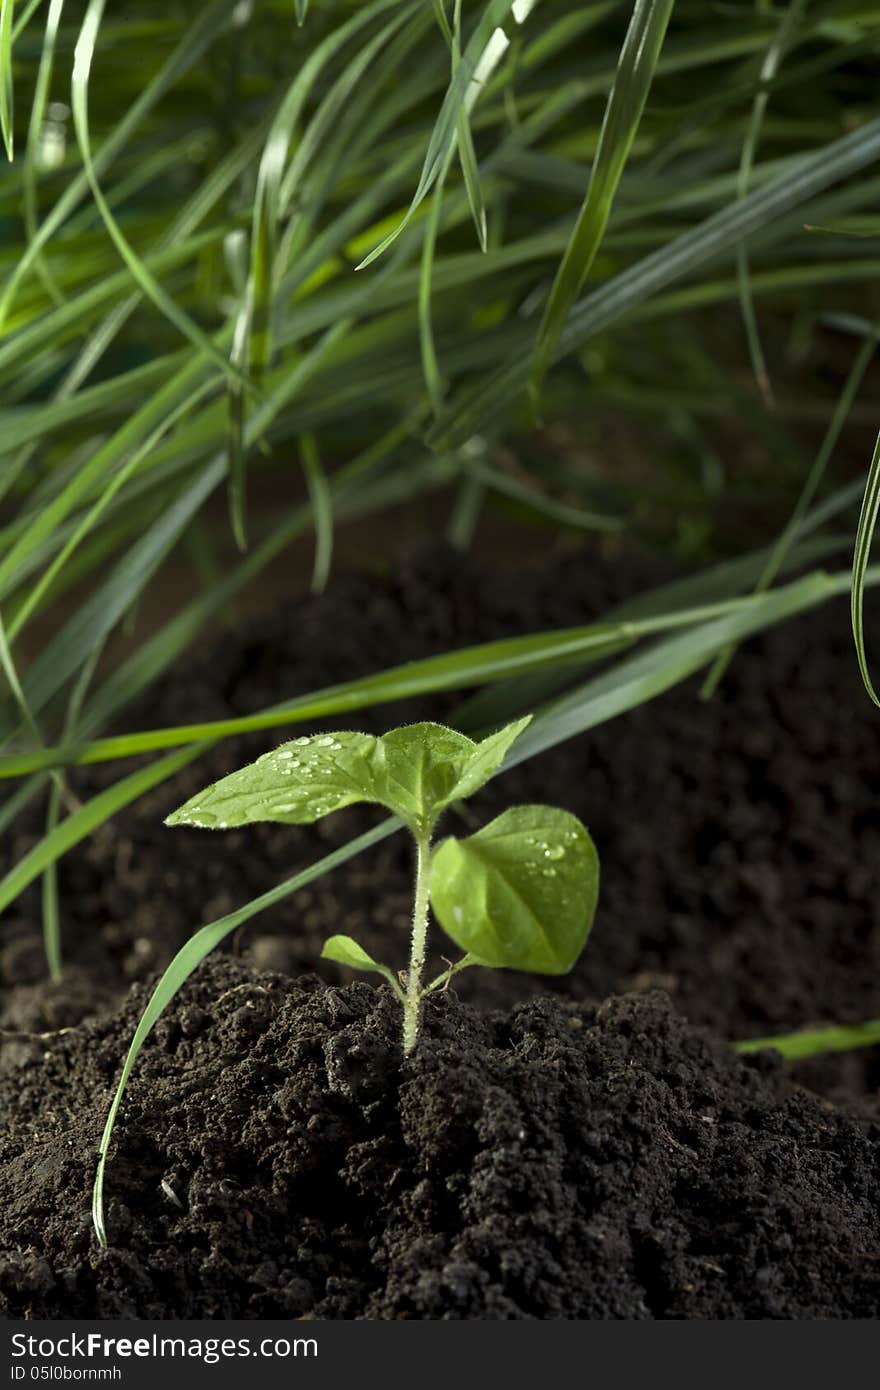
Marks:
<point>325,742</point>
<point>554,852</point>
<point>301,742</point>
<point>285,753</point>
<point>457,914</point>
<point>549,873</point>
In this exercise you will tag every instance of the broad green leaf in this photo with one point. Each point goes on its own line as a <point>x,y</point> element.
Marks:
<point>520,893</point>
<point>487,757</point>
<point>346,951</point>
<point>421,764</point>
<point>423,768</point>
<point>638,59</point>
<point>295,784</point>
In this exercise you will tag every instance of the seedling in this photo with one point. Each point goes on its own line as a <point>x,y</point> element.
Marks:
<point>520,893</point>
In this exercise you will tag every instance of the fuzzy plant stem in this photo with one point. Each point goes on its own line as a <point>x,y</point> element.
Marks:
<point>419,946</point>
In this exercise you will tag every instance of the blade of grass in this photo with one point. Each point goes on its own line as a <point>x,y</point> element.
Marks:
<point>7,8</point>
<point>635,71</point>
<point>483,52</point>
<point>711,238</point>
<point>464,139</point>
<point>321,501</point>
<point>470,666</point>
<point>253,337</point>
<point>769,69</point>
<point>864,537</point>
<point>813,1042</point>
<point>148,285</point>
<point>34,139</point>
<point>780,550</point>
<point>207,24</point>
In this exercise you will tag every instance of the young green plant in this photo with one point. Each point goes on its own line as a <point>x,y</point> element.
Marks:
<point>520,893</point>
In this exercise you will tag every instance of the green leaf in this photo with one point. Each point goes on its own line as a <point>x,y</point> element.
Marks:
<point>301,9</point>
<point>864,537</point>
<point>84,53</point>
<point>321,500</point>
<point>415,772</point>
<point>486,758</point>
<point>813,1042</point>
<point>7,8</point>
<point>346,951</point>
<point>486,47</point>
<point>295,784</point>
<point>521,892</point>
<point>425,767</point>
<point>638,59</point>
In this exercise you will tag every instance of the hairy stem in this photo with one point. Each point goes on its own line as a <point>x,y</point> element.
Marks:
<point>419,945</point>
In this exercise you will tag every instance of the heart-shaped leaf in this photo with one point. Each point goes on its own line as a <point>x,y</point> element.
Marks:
<point>415,772</point>
<point>297,783</point>
<point>486,758</point>
<point>521,892</point>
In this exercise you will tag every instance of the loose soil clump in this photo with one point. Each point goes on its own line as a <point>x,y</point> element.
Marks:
<point>277,1158</point>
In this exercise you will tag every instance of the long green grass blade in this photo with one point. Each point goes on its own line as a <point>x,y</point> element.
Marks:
<point>484,50</point>
<point>717,235</point>
<point>7,9</point>
<point>812,1042</point>
<point>786,540</point>
<point>864,537</point>
<point>321,499</point>
<point>35,138</point>
<point>471,666</point>
<point>769,68</point>
<point>82,67</point>
<point>209,21</point>
<point>635,71</point>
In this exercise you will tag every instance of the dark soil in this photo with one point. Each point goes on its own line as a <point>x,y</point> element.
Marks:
<point>552,1157</point>
<point>278,1159</point>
